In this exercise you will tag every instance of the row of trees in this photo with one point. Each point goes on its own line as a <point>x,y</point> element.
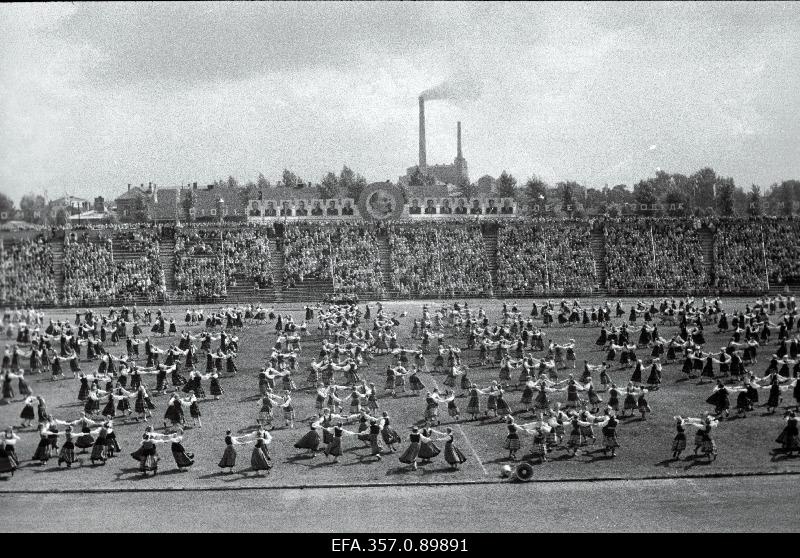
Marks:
<point>35,209</point>
<point>703,192</point>
<point>347,183</point>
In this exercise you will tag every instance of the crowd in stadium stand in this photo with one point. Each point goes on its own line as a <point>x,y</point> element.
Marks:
<point>629,255</point>
<point>135,240</point>
<point>345,255</point>
<point>141,277</point>
<point>738,258</point>
<point>534,257</point>
<point>357,261</point>
<point>93,275</point>
<point>248,254</point>
<point>782,242</point>
<point>430,260</point>
<point>680,264</point>
<point>307,254</point>
<point>664,255</point>
<point>27,272</point>
<point>521,260</point>
<point>88,269</point>
<point>138,270</point>
<point>198,265</point>
<point>537,258</point>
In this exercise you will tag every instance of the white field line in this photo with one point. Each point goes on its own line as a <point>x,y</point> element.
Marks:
<point>475,453</point>
<point>464,435</point>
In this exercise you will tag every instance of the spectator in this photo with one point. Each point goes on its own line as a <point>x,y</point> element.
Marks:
<point>27,272</point>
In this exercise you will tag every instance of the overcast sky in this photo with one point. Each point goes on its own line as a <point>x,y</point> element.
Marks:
<point>94,96</point>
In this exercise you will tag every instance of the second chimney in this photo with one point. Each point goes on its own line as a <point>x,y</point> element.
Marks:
<point>458,149</point>
<point>423,165</point>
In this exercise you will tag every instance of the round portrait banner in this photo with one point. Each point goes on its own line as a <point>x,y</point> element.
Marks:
<point>381,201</point>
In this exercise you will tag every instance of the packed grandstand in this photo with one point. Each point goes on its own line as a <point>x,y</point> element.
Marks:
<point>397,259</point>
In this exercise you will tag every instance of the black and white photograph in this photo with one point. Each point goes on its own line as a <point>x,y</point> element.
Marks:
<point>399,275</point>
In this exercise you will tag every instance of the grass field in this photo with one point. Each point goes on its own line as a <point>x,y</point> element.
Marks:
<point>745,445</point>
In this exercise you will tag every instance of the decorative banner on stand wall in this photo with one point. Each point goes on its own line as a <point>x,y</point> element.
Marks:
<point>381,201</point>
<point>302,209</point>
<point>426,208</point>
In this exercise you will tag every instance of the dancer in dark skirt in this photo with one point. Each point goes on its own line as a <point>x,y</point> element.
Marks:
<point>9,462</point>
<point>679,441</point>
<point>143,406</point>
<point>228,460</point>
<point>42,454</point>
<point>8,387</point>
<point>259,459</point>
<point>654,378</point>
<point>774,398</point>
<point>183,459</point>
<point>415,440</point>
<point>334,447</point>
<point>194,411</point>
<point>630,403</point>
<point>414,382</point>
<point>214,387</point>
<point>540,431</point>
<point>27,415</point>
<point>389,434</point>
<point>744,400</point>
<point>85,440</point>
<point>796,392</point>
<point>92,406</point>
<point>452,455</point>
<point>100,449</point>
<point>707,443</point>
<point>576,437</point>
<point>147,455</point>
<point>174,412</point>
<point>789,439</point>
<point>609,429</point>
<point>22,386</point>
<point>512,438</point>
<point>428,450</point>
<point>310,440</point>
<point>67,453</point>
<point>83,392</point>
<point>112,445</point>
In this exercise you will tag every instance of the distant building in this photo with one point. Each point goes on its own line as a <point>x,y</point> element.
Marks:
<point>211,203</point>
<point>71,205</point>
<point>445,174</point>
<point>133,205</point>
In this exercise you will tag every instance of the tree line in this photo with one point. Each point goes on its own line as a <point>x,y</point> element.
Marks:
<point>701,193</point>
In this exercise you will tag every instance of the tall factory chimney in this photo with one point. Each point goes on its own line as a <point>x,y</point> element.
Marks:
<point>423,166</point>
<point>458,152</point>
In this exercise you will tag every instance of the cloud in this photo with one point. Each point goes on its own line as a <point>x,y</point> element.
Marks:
<point>210,42</point>
<point>98,95</point>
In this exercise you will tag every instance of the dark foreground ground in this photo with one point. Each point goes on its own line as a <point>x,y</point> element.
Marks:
<point>752,504</point>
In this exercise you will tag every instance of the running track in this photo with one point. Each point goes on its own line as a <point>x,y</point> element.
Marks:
<point>758,503</point>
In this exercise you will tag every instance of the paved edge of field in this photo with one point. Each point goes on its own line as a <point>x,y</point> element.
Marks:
<point>399,484</point>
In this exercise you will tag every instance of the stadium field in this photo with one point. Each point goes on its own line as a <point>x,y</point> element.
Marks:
<point>745,445</point>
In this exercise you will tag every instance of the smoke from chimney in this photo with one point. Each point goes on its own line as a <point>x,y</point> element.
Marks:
<point>463,89</point>
<point>422,155</point>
